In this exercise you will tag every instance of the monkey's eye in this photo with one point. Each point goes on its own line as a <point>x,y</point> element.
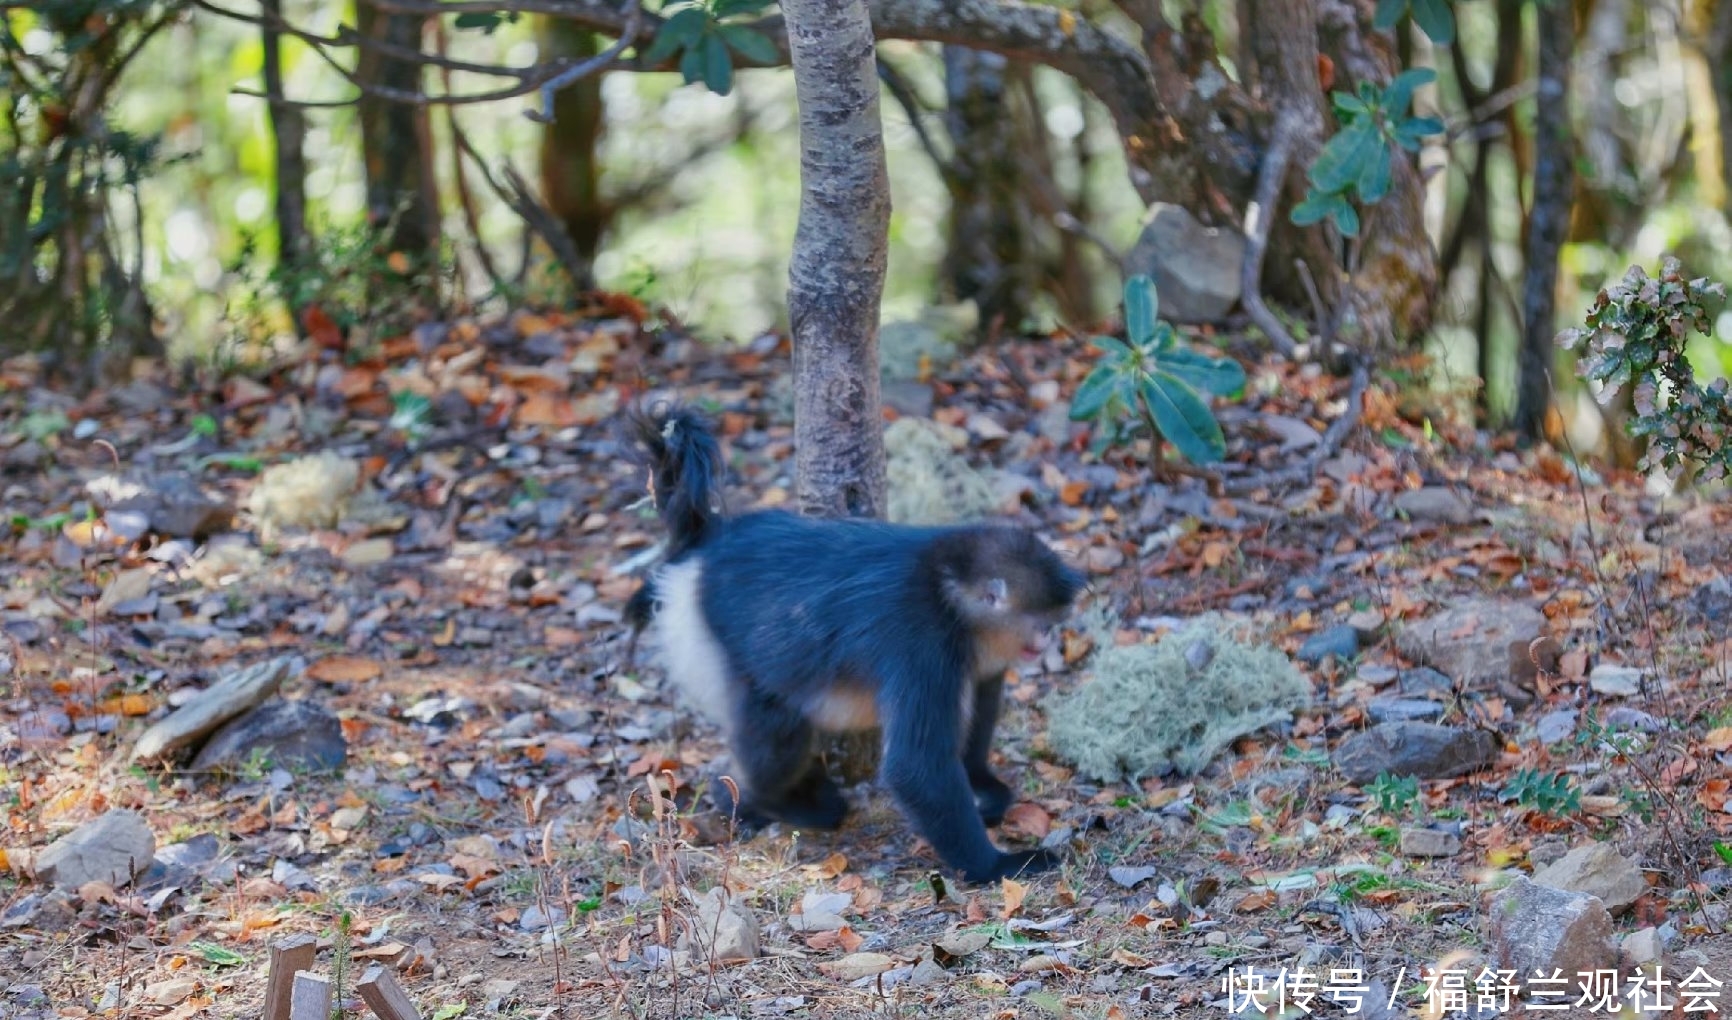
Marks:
<point>997,593</point>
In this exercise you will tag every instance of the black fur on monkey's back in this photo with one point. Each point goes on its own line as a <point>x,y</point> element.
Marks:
<point>843,624</point>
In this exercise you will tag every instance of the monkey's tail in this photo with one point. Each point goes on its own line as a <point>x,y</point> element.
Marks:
<point>686,463</point>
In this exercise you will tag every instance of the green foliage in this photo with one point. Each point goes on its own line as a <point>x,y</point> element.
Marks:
<point>1549,793</point>
<point>1156,380</point>
<point>1433,17</point>
<point>1359,160</point>
<point>1635,335</point>
<point>67,284</point>
<point>699,30</point>
<point>1395,795</point>
<point>1724,852</point>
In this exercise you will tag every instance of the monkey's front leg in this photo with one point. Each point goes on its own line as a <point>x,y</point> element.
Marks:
<point>925,772</point>
<point>991,795</point>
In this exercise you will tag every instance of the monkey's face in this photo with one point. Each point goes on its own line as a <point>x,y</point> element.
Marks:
<point>1013,611</point>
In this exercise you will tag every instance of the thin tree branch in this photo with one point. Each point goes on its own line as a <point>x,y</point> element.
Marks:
<point>1259,216</point>
<point>904,95</point>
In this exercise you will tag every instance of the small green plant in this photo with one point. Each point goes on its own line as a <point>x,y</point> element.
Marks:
<point>706,40</point>
<point>1395,795</point>
<point>1156,381</point>
<point>1433,17</point>
<point>1549,793</point>
<point>1360,158</point>
<point>1724,852</point>
<point>1635,335</point>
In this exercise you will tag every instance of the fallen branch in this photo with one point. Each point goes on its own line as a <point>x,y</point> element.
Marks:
<point>1333,437</point>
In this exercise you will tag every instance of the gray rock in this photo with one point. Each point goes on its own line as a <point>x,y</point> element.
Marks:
<point>1473,643</point>
<point>1340,641</point>
<point>111,848</point>
<point>1538,928</point>
<point>1598,870</point>
<point>177,506</point>
<point>1615,681</point>
<point>1623,717</point>
<point>1424,750</point>
<point>1714,600</point>
<point>1196,269</point>
<point>1382,710</point>
<point>726,929</point>
<point>1421,681</point>
<point>1642,946</point>
<point>1556,727</point>
<point>234,694</point>
<point>907,397</point>
<point>1130,877</point>
<point>300,735</point>
<point>1426,842</point>
<point>1435,503</point>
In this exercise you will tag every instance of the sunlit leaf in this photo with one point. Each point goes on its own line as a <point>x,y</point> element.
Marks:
<point>1388,13</point>
<point>718,65</point>
<point>1435,19</point>
<point>1184,418</point>
<point>1399,95</point>
<point>1374,177</point>
<point>1344,157</point>
<point>1092,396</point>
<point>751,44</point>
<point>1141,306</point>
<point>677,33</point>
<point>1223,377</point>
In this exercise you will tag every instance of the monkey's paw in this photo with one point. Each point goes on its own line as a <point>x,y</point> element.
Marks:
<point>993,798</point>
<point>1017,865</point>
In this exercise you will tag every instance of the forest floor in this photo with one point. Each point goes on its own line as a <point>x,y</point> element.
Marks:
<point>492,836</point>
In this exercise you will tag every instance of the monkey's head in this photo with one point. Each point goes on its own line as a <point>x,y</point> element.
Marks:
<point>1009,587</point>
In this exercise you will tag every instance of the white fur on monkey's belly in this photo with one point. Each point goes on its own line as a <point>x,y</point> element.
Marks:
<point>686,647</point>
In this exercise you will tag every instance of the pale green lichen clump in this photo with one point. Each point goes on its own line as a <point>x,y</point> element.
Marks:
<point>1148,710</point>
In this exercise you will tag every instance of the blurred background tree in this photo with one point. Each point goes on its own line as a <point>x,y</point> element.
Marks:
<point>1031,148</point>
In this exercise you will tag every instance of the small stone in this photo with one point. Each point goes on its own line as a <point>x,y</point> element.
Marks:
<point>1421,681</point>
<point>1556,727</point>
<point>1623,717</point>
<point>1535,928</point>
<point>1130,877</point>
<point>1471,642</point>
<point>1615,681</point>
<point>1215,938</point>
<point>229,697</point>
<point>111,848</point>
<point>1641,946</point>
<point>1381,710</point>
<point>1426,842</point>
<point>1424,750</point>
<point>726,929</point>
<point>498,991</point>
<point>1435,503</point>
<point>300,735</point>
<point>1368,624</point>
<point>1598,870</point>
<point>369,552</point>
<point>1340,642</point>
<point>535,918</point>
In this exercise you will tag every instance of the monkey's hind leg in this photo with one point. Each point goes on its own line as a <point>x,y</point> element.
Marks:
<point>780,777</point>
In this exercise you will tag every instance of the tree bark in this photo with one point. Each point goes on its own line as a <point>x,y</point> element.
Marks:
<point>836,279</point>
<point>402,195</point>
<point>987,257</point>
<point>1548,220</point>
<point>288,131</point>
<point>570,149</point>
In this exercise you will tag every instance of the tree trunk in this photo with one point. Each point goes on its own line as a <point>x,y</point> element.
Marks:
<point>987,257</point>
<point>570,148</point>
<point>288,131</point>
<point>402,196</point>
<point>1548,220</point>
<point>836,279</point>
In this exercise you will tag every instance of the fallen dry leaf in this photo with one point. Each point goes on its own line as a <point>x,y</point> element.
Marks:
<point>349,669</point>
